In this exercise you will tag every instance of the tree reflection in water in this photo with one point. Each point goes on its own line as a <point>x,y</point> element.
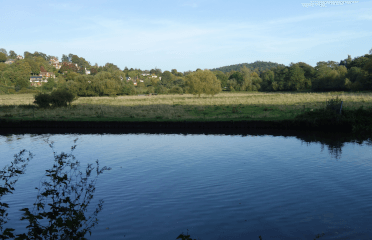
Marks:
<point>60,209</point>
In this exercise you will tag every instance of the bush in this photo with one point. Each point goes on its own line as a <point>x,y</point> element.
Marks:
<point>58,98</point>
<point>43,100</point>
<point>334,105</point>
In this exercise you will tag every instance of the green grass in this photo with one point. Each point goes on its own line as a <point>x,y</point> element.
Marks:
<point>221,107</point>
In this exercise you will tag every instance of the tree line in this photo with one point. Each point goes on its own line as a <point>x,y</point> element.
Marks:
<point>109,80</point>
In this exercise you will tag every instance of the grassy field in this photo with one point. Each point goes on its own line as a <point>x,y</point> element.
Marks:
<point>221,107</point>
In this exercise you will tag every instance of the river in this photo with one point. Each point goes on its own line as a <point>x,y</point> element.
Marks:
<point>216,187</point>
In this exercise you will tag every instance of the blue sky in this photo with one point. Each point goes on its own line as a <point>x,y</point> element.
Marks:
<point>187,34</point>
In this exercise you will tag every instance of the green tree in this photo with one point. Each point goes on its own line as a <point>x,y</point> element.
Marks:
<point>296,78</point>
<point>255,82</point>
<point>20,74</point>
<point>180,82</point>
<point>280,73</point>
<point>203,81</point>
<point>110,67</point>
<point>330,77</point>
<point>2,50</point>
<point>346,62</point>
<point>35,66</point>
<point>12,54</point>
<point>2,57</point>
<point>167,79</point>
<point>268,78</point>
<point>359,62</point>
<point>232,85</point>
<point>3,66</point>
<point>222,77</point>
<point>50,85</point>
<point>238,76</point>
<point>247,84</point>
<point>368,66</point>
<point>65,58</point>
<point>156,71</point>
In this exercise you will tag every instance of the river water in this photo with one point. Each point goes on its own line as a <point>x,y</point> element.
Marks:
<point>216,186</point>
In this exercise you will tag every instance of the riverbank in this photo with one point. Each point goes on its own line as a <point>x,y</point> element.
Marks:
<point>224,112</point>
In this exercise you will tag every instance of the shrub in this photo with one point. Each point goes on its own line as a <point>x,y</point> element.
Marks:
<point>334,105</point>
<point>60,98</point>
<point>43,100</point>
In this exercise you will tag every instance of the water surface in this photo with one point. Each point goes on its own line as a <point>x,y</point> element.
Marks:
<point>216,186</point>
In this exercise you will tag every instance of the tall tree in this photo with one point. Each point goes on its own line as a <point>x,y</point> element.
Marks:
<point>203,82</point>
<point>156,71</point>
<point>12,54</point>
<point>167,79</point>
<point>222,77</point>
<point>2,57</point>
<point>2,50</point>
<point>296,78</point>
<point>359,62</point>
<point>238,76</point>
<point>268,78</point>
<point>65,58</point>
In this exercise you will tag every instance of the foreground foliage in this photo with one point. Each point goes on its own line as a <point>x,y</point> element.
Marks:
<point>62,201</point>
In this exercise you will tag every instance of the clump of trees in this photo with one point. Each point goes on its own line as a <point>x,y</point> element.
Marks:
<point>57,98</point>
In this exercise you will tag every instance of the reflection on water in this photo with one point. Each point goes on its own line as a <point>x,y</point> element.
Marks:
<point>333,141</point>
<point>225,186</point>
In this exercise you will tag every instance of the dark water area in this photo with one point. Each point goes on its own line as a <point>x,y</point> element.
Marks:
<point>217,184</point>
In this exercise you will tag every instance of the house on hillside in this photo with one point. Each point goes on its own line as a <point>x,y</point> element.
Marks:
<point>87,72</point>
<point>55,63</point>
<point>45,74</point>
<point>37,81</point>
<point>19,57</point>
<point>9,61</point>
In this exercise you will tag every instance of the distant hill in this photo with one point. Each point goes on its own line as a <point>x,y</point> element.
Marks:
<point>258,64</point>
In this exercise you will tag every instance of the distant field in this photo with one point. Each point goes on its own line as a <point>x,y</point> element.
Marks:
<point>223,106</point>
